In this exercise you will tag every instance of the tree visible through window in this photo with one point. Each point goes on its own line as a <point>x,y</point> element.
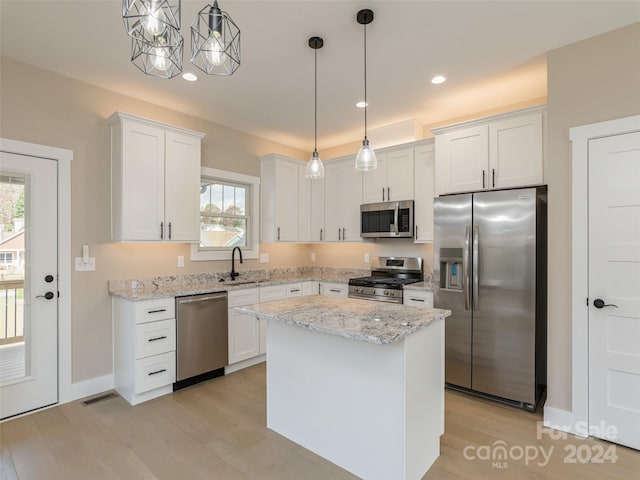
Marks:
<point>224,217</point>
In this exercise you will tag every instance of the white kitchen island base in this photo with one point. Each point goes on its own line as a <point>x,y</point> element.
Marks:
<point>375,410</point>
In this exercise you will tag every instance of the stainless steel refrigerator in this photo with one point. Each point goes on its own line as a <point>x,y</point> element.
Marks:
<point>490,258</point>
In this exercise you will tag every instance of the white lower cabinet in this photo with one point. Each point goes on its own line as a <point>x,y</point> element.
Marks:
<point>293,290</point>
<point>144,348</point>
<point>418,298</point>
<point>335,289</point>
<point>311,288</point>
<point>244,328</point>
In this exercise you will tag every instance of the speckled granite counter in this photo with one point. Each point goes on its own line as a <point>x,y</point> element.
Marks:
<point>365,320</point>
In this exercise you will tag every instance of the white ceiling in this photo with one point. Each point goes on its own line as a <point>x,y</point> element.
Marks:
<point>492,53</point>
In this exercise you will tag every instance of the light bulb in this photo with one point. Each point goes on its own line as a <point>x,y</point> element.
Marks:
<point>159,59</point>
<point>366,157</point>
<point>315,168</point>
<point>154,21</point>
<point>214,49</point>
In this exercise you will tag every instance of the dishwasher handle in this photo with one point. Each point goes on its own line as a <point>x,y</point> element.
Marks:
<point>190,299</point>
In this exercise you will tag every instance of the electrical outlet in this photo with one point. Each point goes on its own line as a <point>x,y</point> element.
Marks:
<point>313,256</point>
<point>180,261</point>
<point>366,258</point>
<point>264,258</point>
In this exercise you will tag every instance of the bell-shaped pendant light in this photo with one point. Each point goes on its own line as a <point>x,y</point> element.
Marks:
<point>315,168</point>
<point>366,157</point>
<point>215,41</point>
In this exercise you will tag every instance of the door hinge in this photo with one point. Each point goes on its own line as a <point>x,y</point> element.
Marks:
<point>587,301</point>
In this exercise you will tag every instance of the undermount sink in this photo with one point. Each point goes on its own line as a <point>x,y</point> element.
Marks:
<point>241,282</point>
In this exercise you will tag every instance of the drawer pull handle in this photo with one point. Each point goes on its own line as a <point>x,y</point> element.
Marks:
<point>294,290</point>
<point>157,311</point>
<point>154,339</point>
<point>157,372</point>
<point>334,290</point>
<point>417,300</point>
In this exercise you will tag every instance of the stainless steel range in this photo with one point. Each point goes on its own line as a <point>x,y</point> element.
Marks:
<point>388,277</point>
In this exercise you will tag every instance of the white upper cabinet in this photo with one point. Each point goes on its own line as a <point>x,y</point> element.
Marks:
<point>155,181</point>
<point>280,180</point>
<point>500,152</point>
<point>424,191</point>
<point>392,180</point>
<point>316,210</point>
<point>343,196</point>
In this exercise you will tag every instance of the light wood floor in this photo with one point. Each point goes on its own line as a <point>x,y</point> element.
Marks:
<point>215,430</point>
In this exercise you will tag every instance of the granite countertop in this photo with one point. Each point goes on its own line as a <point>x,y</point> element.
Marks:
<point>174,286</point>
<point>374,322</point>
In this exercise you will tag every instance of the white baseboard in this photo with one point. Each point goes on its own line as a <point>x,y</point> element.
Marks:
<point>88,388</point>
<point>562,420</point>
<point>244,364</point>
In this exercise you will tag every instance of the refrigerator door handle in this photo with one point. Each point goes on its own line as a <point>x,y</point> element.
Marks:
<point>465,266</point>
<point>476,265</point>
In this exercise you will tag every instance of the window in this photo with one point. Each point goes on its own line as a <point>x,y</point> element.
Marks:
<point>6,257</point>
<point>228,215</point>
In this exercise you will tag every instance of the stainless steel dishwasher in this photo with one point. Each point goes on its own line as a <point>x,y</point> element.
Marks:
<point>202,349</point>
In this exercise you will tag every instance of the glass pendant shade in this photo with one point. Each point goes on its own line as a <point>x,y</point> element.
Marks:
<point>215,41</point>
<point>150,17</point>
<point>158,55</point>
<point>366,157</point>
<point>315,168</point>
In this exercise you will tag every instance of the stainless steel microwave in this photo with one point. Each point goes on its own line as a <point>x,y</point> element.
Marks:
<point>387,220</point>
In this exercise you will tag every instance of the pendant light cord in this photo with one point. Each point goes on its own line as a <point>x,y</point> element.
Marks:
<point>365,81</point>
<point>315,97</point>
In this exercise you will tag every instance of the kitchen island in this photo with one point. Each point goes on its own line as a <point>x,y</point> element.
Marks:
<point>358,382</point>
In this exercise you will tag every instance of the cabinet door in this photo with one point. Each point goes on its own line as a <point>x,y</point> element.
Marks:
<point>400,175</point>
<point>335,289</point>
<point>286,201</point>
<point>352,188</point>
<point>141,208</point>
<point>462,160</point>
<point>374,182</point>
<point>333,201</point>
<point>182,187</point>
<point>304,205</point>
<point>316,215</point>
<point>515,152</point>
<point>244,336</point>
<point>425,191</point>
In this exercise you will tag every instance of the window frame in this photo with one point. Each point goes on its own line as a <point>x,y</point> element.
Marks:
<point>253,212</point>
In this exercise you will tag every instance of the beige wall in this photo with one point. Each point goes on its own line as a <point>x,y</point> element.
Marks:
<point>594,80</point>
<point>41,107</point>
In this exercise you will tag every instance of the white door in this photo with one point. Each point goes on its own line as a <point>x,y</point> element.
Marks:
<point>614,288</point>
<point>29,366</point>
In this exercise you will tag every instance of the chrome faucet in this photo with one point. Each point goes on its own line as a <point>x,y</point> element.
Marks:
<point>235,274</point>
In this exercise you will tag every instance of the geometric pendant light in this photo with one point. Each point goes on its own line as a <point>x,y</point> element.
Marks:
<point>215,41</point>
<point>151,16</point>
<point>315,168</point>
<point>158,55</point>
<point>366,157</point>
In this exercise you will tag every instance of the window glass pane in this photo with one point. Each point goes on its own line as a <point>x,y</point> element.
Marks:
<point>229,200</point>
<point>241,194</point>
<point>216,198</point>
<point>205,199</point>
<point>221,232</point>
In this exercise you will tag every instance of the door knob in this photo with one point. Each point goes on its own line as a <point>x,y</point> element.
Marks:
<point>48,295</point>
<point>599,303</point>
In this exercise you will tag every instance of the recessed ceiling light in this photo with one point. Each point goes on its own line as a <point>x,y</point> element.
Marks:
<point>438,79</point>
<point>361,104</point>
<point>189,77</point>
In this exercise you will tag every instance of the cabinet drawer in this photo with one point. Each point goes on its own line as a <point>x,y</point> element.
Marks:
<point>152,310</point>
<point>154,372</point>
<point>239,298</point>
<point>153,338</point>
<point>417,298</point>
<point>335,289</point>
<point>294,290</point>
<point>274,292</point>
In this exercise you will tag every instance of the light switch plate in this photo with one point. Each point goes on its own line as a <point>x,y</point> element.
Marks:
<point>264,258</point>
<point>366,258</point>
<point>313,256</point>
<point>82,266</point>
<point>180,260</point>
